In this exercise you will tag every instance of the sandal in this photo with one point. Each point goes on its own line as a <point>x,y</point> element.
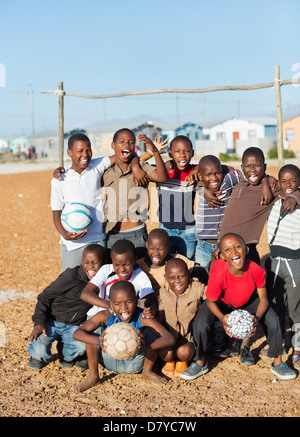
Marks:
<point>168,369</point>
<point>180,366</point>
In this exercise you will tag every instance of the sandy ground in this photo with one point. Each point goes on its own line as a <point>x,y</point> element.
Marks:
<point>29,261</point>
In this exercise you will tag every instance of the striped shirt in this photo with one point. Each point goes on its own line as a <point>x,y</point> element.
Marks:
<point>284,232</point>
<point>209,219</point>
<point>180,309</point>
<point>176,200</point>
<point>106,277</point>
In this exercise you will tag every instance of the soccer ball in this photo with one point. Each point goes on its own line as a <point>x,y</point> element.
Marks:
<point>76,217</point>
<point>121,341</point>
<point>240,323</point>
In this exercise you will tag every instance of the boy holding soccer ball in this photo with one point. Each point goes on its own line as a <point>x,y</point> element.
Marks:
<point>123,308</point>
<point>236,282</point>
<point>81,183</point>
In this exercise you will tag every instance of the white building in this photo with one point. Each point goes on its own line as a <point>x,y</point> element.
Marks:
<point>244,130</point>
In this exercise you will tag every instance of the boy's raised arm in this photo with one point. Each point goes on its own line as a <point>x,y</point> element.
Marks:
<point>160,174</point>
<point>90,295</point>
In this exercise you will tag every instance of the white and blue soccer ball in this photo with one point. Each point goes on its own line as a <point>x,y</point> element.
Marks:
<point>76,217</point>
<point>240,323</point>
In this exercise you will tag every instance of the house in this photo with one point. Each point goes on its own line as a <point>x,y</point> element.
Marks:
<point>191,130</point>
<point>291,134</point>
<point>19,145</point>
<point>243,132</point>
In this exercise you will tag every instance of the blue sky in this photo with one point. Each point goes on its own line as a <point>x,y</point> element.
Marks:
<point>105,47</point>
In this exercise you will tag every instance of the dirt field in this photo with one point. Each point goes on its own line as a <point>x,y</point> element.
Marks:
<point>29,261</point>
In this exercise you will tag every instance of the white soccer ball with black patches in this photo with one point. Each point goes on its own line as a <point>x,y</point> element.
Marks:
<point>121,341</point>
<point>76,217</point>
<point>240,323</point>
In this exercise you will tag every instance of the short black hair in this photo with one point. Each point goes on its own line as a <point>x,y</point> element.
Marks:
<point>181,138</point>
<point>290,167</point>
<point>210,159</point>
<point>177,261</point>
<point>157,232</point>
<point>123,246</point>
<point>94,247</point>
<point>77,137</point>
<point>122,285</point>
<point>231,233</point>
<point>256,151</point>
<point>122,130</point>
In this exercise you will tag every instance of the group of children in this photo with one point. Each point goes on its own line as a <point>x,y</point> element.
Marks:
<point>175,282</point>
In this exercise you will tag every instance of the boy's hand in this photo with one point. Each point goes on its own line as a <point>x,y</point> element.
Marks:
<point>288,205</point>
<point>255,323</point>
<point>57,173</point>
<point>226,326</point>
<point>75,235</point>
<point>149,313</point>
<point>101,342</point>
<point>194,176</point>
<point>161,145</point>
<point>212,199</point>
<point>149,144</point>
<point>140,177</point>
<point>36,332</point>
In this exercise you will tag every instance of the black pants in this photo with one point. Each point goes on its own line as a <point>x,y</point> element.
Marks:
<point>204,320</point>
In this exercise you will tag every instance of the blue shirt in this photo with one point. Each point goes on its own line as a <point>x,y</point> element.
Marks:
<point>135,321</point>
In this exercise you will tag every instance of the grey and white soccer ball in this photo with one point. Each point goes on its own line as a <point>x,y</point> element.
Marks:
<point>122,341</point>
<point>240,323</point>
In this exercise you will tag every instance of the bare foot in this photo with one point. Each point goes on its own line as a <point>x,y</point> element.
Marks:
<point>153,377</point>
<point>86,384</point>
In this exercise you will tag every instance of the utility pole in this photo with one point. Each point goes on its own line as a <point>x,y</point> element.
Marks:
<point>31,109</point>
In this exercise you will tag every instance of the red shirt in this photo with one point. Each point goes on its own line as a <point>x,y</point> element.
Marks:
<point>233,290</point>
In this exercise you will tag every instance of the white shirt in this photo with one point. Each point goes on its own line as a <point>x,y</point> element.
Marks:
<point>83,188</point>
<point>106,277</point>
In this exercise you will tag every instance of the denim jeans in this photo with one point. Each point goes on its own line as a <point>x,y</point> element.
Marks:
<point>203,252</point>
<point>130,366</point>
<point>68,349</point>
<point>182,241</point>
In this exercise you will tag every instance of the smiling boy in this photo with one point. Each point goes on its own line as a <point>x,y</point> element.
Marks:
<point>176,198</point>
<point>123,309</point>
<point>126,207</point>
<point>59,311</point>
<point>283,266</point>
<point>123,267</point>
<point>245,213</point>
<point>179,301</point>
<point>80,183</point>
<point>236,282</point>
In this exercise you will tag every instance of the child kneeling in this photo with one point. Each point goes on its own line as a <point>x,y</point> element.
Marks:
<point>123,308</point>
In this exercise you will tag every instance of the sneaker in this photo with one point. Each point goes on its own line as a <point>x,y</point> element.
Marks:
<point>66,364</point>
<point>246,357</point>
<point>180,367</point>
<point>35,364</point>
<point>168,369</point>
<point>82,365</point>
<point>231,351</point>
<point>282,371</point>
<point>194,371</point>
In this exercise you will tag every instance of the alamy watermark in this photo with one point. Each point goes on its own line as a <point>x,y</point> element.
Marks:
<point>2,76</point>
<point>296,76</point>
